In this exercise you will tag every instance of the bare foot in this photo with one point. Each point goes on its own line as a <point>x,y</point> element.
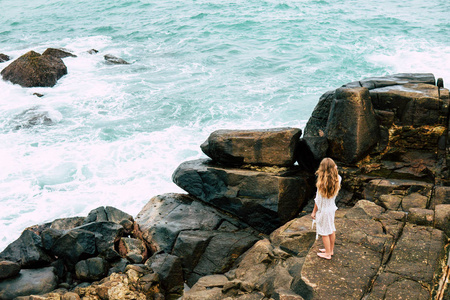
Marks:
<point>323,250</point>
<point>323,255</point>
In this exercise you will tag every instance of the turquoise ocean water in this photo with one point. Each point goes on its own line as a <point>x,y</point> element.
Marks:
<point>119,131</point>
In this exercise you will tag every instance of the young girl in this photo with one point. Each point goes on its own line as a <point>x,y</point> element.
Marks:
<point>328,185</point>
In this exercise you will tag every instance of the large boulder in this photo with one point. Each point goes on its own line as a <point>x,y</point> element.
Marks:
<point>263,199</point>
<point>205,240</point>
<point>352,128</point>
<point>27,251</point>
<point>260,147</point>
<point>29,282</point>
<point>35,70</point>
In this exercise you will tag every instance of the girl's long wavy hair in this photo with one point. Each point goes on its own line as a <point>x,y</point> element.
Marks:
<point>327,178</point>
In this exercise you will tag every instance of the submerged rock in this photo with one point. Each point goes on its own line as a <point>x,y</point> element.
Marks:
<point>4,57</point>
<point>35,70</point>
<point>36,115</point>
<point>111,59</point>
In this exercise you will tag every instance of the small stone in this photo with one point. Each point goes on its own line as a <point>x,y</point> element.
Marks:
<point>8,269</point>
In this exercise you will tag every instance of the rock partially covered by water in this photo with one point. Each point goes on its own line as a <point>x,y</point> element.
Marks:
<point>111,59</point>
<point>36,115</point>
<point>258,147</point>
<point>58,53</point>
<point>3,57</point>
<point>29,282</point>
<point>35,70</point>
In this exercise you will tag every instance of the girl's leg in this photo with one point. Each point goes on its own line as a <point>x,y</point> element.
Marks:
<point>332,240</point>
<point>326,243</point>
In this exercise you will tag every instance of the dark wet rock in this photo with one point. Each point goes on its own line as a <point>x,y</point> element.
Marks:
<point>4,57</point>
<point>67,223</point>
<point>317,123</point>
<point>92,51</point>
<point>39,95</point>
<point>311,151</point>
<point>36,115</point>
<point>58,53</point>
<point>8,269</point>
<point>170,272</point>
<point>133,249</point>
<point>421,216</point>
<point>50,236</point>
<point>27,251</point>
<point>91,269</point>
<point>106,235</point>
<point>350,137</point>
<point>35,70</point>
<point>107,213</point>
<point>442,218</point>
<point>181,226</point>
<point>75,245</point>
<point>259,147</point>
<point>263,199</point>
<point>29,282</point>
<point>165,216</point>
<point>111,59</point>
<point>118,266</point>
<point>189,247</point>
<point>222,251</point>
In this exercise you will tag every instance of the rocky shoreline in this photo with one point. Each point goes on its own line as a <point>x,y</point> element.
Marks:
<point>243,229</point>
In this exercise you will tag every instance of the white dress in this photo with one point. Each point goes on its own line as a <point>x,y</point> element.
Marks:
<point>325,214</point>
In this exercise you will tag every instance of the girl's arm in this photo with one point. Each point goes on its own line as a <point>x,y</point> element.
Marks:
<point>313,214</point>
